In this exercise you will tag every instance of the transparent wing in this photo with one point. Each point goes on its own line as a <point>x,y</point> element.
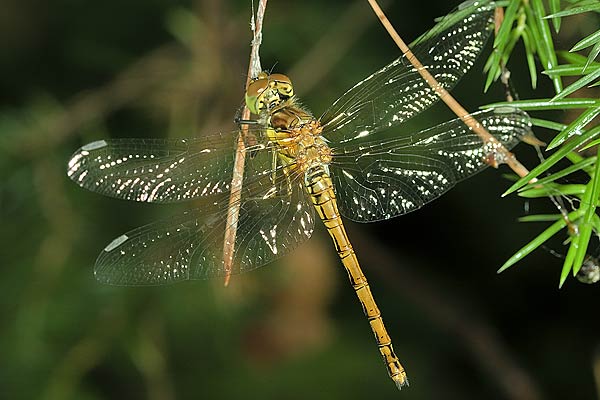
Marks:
<point>397,92</point>
<point>380,180</point>
<point>163,170</point>
<point>274,218</point>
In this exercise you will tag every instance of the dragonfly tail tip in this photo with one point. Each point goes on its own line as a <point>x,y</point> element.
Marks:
<point>401,382</point>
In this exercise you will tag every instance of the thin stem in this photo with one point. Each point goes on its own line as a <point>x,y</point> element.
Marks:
<point>254,68</point>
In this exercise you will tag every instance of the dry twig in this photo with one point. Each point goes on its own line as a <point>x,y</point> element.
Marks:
<point>233,212</point>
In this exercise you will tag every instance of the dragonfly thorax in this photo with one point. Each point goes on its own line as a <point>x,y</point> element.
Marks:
<point>299,141</point>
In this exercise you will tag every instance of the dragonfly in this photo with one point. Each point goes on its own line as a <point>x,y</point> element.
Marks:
<point>358,160</point>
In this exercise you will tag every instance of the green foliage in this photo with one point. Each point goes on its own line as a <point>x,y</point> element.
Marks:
<point>523,20</point>
<point>74,72</point>
<point>527,20</point>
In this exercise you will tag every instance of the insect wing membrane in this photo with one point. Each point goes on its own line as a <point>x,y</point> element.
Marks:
<point>161,170</point>
<point>274,217</point>
<point>381,180</point>
<point>397,92</point>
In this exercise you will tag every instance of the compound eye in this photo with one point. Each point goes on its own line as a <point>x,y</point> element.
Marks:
<point>254,91</point>
<point>282,83</point>
<point>257,87</point>
<point>280,78</point>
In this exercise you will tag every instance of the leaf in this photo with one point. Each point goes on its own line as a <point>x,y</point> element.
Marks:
<point>588,204</point>
<point>504,42</point>
<point>551,190</point>
<point>554,158</point>
<point>572,58</point>
<point>571,70</point>
<point>591,144</point>
<point>529,54</point>
<point>574,157</point>
<point>575,127</point>
<point>547,104</point>
<point>539,240</point>
<point>546,43</point>
<point>540,218</point>
<point>578,84</point>
<point>592,56</point>
<point>554,8</point>
<point>576,10</point>
<point>587,41</point>
<point>568,263</point>
<point>543,123</point>
<point>584,163</point>
<point>510,16</point>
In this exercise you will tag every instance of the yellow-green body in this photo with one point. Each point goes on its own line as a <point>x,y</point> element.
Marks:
<point>302,149</point>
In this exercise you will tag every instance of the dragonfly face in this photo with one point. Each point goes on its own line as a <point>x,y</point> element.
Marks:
<point>268,91</point>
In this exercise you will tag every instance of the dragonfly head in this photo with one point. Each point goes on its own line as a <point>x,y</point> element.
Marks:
<point>268,91</point>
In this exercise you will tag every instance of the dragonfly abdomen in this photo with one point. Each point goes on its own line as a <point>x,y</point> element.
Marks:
<point>320,189</point>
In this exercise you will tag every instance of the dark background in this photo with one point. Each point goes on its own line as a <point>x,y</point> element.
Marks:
<point>76,71</point>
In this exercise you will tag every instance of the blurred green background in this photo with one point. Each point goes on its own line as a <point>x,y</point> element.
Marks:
<point>76,71</point>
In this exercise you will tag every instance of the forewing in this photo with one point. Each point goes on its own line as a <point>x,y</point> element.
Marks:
<point>381,180</point>
<point>397,92</point>
<point>273,219</point>
<point>163,170</point>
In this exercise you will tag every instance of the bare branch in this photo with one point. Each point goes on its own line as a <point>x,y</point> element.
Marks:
<point>233,213</point>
